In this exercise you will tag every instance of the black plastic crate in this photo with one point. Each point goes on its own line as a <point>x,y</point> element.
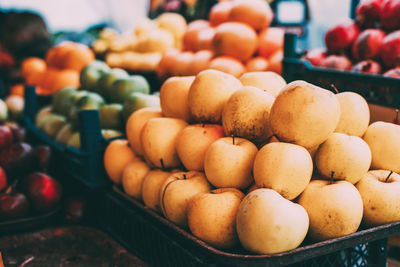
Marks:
<point>162,243</point>
<point>85,164</point>
<point>376,89</point>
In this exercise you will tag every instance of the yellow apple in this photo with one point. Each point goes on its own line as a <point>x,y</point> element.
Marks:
<point>177,191</point>
<point>335,209</point>
<point>174,97</point>
<point>134,126</point>
<point>132,178</point>
<point>193,142</point>
<point>354,114</point>
<point>267,81</point>
<point>381,197</point>
<point>383,139</point>
<point>268,223</point>
<point>304,114</point>
<point>152,183</point>
<point>158,141</point>
<point>343,156</point>
<point>229,162</point>
<point>212,216</point>
<point>246,114</point>
<point>285,168</point>
<point>208,94</point>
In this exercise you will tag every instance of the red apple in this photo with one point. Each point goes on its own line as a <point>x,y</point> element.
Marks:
<point>43,156</point>
<point>368,13</point>
<point>315,56</point>
<point>341,37</point>
<point>390,50</point>
<point>13,205</point>
<point>393,73</point>
<point>368,44</point>
<point>6,136</point>
<point>367,66</point>
<point>3,179</point>
<point>389,13</point>
<point>19,133</point>
<point>336,62</point>
<point>17,159</point>
<point>43,191</point>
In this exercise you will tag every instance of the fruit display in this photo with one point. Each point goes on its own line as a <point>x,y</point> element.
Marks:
<point>25,187</point>
<point>142,49</point>
<point>59,69</point>
<point>235,39</point>
<point>111,91</point>
<point>370,44</point>
<point>221,152</point>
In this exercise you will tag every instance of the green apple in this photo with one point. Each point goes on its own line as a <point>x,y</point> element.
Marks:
<point>64,134</point>
<point>62,100</point>
<point>105,82</point>
<point>74,140</point>
<point>92,73</point>
<point>3,111</point>
<point>137,101</point>
<point>15,106</point>
<point>111,133</point>
<point>123,87</point>
<point>53,125</point>
<point>111,116</point>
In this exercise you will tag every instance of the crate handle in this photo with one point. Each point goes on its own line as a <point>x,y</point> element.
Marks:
<point>90,131</point>
<point>30,102</point>
<point>289,45</point>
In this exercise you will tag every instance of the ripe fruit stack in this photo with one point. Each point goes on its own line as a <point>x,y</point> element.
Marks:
<point>142,50</point>
<point>370,44</point>
<point>222,152</point>
<point>25,188</point>
<point>113,92</point>
<point>236,39</point>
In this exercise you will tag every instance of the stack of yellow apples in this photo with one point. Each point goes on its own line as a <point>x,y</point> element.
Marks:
<point>257,162</point>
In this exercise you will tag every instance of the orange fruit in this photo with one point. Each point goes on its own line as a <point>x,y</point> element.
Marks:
<point>219,13</point>
<point>190,38</point>
<point>65,78</point>
<point>167,63</point>
<point>183,62</point>
<point>270,40</point>
<point>257,64</point>
<point>201,61</point>
<point>32,66</point>
<point>17,89</point>
<point>275,62</point>
<point>227,64</point>
<point>235,39</point>
<point>256,13</point>
<point>205,38</point>
<point>117,156</point>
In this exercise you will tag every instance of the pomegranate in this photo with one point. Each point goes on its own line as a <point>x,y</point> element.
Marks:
<point>341,37</point>
<point>336,62</point>
<point>390,14</point>
<point>368,13</point>
<point>368,44</point>
<point>315,56</point>
<point>390,50</point>
<point>393,73</point>
<point>367,66</point>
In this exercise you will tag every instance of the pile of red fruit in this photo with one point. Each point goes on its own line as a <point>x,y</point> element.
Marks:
<point>24,187</point>
<point>370,44</point>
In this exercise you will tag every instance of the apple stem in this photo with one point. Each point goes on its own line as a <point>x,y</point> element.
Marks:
<point>233,139</point>
<point>387,178</point>
<point>397,115</point>
<point>162,164</point>
<point>203,125</point>
<point>334,88</point>
<point>331,180</point>
<point>9,189</point>
<point>184,176</point>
